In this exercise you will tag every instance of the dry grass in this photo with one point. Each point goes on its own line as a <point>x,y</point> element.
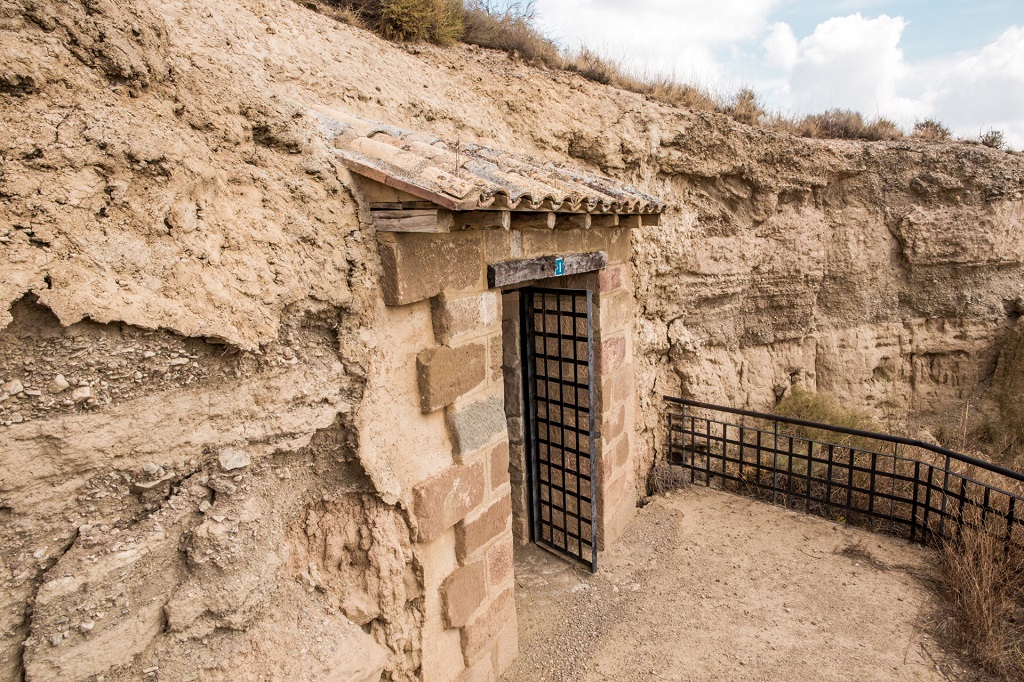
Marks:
<point>803,404</point>
<point>509,28</point>
<point>931,130</point>
<point>994,139</point>
<point>841,124</point>
<point>984,585</point>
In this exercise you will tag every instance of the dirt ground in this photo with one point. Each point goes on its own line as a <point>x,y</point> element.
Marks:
<point>711,586</point>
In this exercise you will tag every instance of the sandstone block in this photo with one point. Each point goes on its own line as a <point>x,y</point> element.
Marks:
<point>471,534</point>
<point>499,465</point>
<point>498,245</point>
<point>481,671</point>
<point>619,247</point>
<point>612,278</point>
<point>486,625</point>
<point>419,266</point>
<point>611,354</point>
<point>581,241</point>
<point>495,359</point>
<point>440,502</point>
<point>618,387</point>
<point>475,424</point>
<point>462,593</point>
<point>616,311</point>
<point>506,648</point>
<point>458,317</point>
<point>500,564</point>
<point>613,423</point>
<point>541,242</point>
<point>446,374</point>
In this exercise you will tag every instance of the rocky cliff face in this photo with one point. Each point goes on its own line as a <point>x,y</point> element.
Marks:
<point>188,304</point>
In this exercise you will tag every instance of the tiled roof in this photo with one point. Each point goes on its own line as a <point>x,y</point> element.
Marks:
<point>475,177</point>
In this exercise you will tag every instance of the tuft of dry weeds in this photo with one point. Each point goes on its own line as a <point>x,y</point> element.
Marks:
<point>984,584</point>
<point>664,478</point>
<point>931,130</point>
<point>840,124</point>
<point>509,27</point>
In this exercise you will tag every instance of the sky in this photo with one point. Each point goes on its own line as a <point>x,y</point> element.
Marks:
<point>960,63</point>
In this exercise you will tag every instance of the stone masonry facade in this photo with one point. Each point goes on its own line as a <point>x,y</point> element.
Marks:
<point>464,514</point>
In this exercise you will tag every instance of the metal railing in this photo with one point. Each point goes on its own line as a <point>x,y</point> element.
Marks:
<point>889,484</point>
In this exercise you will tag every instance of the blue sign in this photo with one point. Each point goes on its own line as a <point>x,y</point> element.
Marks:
<point>559,267</point>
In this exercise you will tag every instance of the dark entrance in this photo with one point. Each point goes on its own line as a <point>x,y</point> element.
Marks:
<point>558,353</point>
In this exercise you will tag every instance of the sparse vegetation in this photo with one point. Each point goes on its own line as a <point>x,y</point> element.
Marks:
<point>510,27</point>
<point>993,138</point>
<point>984,584</point>
<point>981,578</point>
<point>931,130</point>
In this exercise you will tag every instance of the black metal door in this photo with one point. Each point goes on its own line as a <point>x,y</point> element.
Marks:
<point>558,373</point>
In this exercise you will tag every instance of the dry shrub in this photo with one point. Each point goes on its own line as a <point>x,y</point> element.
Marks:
<point>435,21</point>
<point>814,407</point>
<point>664,478</point>
<point>931,130</point>
<point>841,124</point>
<point>745,108</point>
<point>993,138</point>
<point>509,28</point>
<point>985,586</point>
<point>599,69</point>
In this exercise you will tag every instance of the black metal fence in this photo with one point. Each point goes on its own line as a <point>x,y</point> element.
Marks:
<point>886,483</point>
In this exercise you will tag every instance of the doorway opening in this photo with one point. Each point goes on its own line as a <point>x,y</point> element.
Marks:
<point>548,347</point>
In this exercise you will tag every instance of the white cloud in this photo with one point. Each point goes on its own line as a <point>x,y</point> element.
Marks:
<point>850,62</point>
<point>853,63</point>
<point>780,47</point>
<point>856,63</point>
<point>982,91</point>
<point>665,37</point>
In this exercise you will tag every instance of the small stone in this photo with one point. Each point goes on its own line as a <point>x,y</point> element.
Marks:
<point>60,384</point>
<point>86,626</point>
<point>85,529</point>
<point>204,506</point>
<point>222,486</point>
<point>56,639</point>
<point>178,361</point>
<point>81,394</point>
<point>149,354</point>
<point>137,376</point>
<point>33,392</point>
<point>233,458</point>
<point>150,469</point>
<point>13,387</point>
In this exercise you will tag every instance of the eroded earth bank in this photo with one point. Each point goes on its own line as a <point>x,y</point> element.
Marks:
<point>191,334</point>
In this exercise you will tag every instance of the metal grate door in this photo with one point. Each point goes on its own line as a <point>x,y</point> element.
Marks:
<point>558,373</point>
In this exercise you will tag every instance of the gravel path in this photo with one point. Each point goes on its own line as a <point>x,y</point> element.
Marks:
<point>711,586</point>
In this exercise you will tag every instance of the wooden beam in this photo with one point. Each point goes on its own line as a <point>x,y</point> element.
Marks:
<point>518,271</point>
<point>469,220</point>
<point>436,220</point>
<point>650,219</point>
<point>630,221</point>
<point>402,206</point>
<point>540,220</point>
<point>605,220</point>
<point>574,221</point>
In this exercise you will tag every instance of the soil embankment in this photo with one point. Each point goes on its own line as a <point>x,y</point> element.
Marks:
<point>188,313</point>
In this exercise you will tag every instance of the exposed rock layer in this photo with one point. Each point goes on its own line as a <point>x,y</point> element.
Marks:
<point>185,272</point>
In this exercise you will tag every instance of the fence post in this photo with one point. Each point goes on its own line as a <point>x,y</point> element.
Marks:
<point>775,464</point>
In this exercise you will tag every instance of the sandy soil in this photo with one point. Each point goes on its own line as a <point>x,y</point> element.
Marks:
<point>710,586</point>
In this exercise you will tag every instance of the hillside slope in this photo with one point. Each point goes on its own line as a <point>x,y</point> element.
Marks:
<point>175,233</point>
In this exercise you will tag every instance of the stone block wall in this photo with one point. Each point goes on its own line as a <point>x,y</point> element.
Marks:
<point>470,513</point>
